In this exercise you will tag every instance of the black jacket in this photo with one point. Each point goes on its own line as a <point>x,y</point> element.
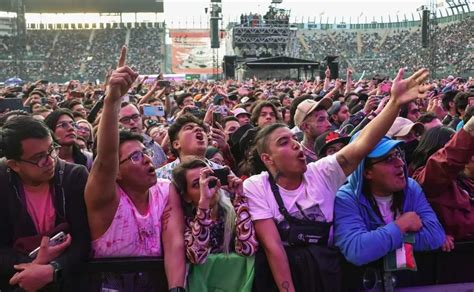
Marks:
<point>15,222</point>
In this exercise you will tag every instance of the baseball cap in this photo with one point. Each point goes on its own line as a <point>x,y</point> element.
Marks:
<point>308,106</point>
<point>336,106</point>
<point>244,99</point>
<point>383,147</point>
<point>217,99</point>
<point>40,92</point>
<point>402,126</point>
<point>239,111</point>
<point>327,139</point>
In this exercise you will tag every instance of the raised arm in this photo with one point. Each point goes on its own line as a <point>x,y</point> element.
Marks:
<point>444,165</point>
<point>197,234</point>
<point>327,80</point>
<point>100,194</point>
<point>173,240</point>
<point>246,243</point>
<point>348,81</point>
<point>402,92</point>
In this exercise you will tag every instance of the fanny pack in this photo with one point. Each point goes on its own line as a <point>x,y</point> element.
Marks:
<point>299,232</point>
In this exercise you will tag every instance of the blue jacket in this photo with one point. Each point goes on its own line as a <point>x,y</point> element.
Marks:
<point>363,237</point>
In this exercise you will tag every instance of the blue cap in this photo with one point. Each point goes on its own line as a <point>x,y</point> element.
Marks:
<point>217,99</point>
<point>382,148</point>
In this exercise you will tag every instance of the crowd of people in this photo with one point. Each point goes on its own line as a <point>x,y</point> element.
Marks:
<point>273,17</point>
<point>89,53</point>
<point>267,185</point>
<point>373,52</point>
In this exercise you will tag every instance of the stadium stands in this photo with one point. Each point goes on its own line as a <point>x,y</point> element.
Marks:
<point>384,51</point>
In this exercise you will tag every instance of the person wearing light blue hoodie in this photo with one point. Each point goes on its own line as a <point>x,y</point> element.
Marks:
<point>380,205</point>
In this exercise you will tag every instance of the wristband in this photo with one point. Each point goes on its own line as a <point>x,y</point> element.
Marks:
<point>57,271</point>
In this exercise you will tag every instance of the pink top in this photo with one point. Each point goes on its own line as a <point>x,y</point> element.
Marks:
<point>41,209</point>
<point>133,234</point>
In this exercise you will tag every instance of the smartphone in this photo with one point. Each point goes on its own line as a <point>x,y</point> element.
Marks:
<point>195,111</point>
<point>44,82</point>
<point>55,240</point>
<point>164,83</point>
<point>221,175</point>
<point>216,118</point>
<point>11,104</point>
<point>77,94</point>
<point>152,111</point>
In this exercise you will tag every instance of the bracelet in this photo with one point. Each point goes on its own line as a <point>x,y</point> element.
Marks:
<point>177,289</point>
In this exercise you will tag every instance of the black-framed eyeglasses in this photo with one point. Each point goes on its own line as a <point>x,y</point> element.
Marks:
<point>389,159</point>
<point>128,119</point>
<point>66,124</point>
<point>42,160</point>
<point>137,156</point>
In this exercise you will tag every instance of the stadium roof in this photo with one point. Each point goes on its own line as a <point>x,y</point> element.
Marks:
<point>85,6</point>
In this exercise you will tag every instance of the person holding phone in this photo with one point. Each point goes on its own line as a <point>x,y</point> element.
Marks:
<point>213,223</point>
<point>41,196</point>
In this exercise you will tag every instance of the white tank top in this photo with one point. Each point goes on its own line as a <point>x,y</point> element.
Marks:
<point>133,234</point>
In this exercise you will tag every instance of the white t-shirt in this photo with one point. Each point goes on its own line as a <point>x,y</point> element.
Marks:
<point>384,204</point>
<point>315,196</point>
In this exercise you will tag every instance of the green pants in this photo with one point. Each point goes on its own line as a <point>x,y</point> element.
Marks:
<point>222,273</point>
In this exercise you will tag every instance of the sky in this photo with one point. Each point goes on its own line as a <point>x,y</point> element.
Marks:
<point>300,9</point>
<point>191,13</point>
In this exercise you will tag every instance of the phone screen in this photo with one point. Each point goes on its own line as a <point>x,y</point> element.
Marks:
<point>152,111</point>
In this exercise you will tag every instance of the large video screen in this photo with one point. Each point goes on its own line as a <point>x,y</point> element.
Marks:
<point>85,6</point>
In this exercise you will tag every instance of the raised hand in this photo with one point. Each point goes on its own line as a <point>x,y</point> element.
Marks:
<point>327,72</point>
<point>405,90</point>
<point>208,194</point>
<point>121,78</point>
<point>218,135</point>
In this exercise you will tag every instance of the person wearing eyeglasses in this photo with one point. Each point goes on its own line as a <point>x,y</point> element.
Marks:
<point>41,196</point>
<point>381,207</point>
<point>62,123</point>
<point>84,130</point>
<point>292,198</point>
<point>410,111</point>
<point>130,119</point>
<point>130,211</point>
